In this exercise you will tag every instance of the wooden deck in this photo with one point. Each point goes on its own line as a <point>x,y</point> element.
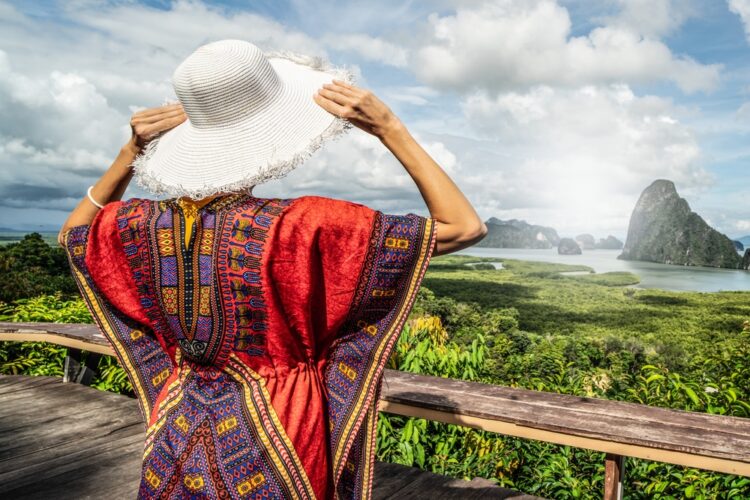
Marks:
<point>68,441</point>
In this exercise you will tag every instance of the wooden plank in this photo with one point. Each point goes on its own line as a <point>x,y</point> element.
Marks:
<point>20,384</point>
<point>705,441</point>
<point>80,331</point>
<point>424,485</point>
<point>77,336</point>
<point>391,478</point>
<point>37,438</point>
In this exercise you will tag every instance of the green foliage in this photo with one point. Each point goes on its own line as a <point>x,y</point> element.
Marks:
<point>31,267</point>
<point>527,326</point>
<point>616,278</point>
<point>581,335</point>
<point>46,309</point>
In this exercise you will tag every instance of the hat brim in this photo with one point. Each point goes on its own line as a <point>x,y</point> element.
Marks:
<point>201,162</point>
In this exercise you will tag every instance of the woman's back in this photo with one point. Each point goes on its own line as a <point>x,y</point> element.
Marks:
<point>256,331</point>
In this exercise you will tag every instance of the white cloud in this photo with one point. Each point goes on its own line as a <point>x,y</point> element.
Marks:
<point>511,44</point>
<point>368,47</point>
<point>742,9</point>
<point>358,167</point>
<point>653,18</point>
<point>555,141</point>
<point>68,84</point>
<point>579,158</point>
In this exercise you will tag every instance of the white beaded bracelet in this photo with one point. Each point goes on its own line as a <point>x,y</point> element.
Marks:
<point>91,198</point>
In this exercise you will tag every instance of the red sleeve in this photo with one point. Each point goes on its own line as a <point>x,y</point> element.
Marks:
<point>346,277</point>
<point>107,265</point>
<point>101,274</point>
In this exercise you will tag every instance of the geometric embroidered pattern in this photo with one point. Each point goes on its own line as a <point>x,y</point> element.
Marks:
<point>389,278</point>
<point>212,431</point>
<point>136,346</point>
<point>206,321</point>
<point>202,439</point>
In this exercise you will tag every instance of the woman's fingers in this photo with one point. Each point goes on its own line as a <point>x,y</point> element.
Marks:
<point>169,123</point>
<point>344,84</point>
<point>158,110</point>
<point>331,106</point>
<point>338,88</point>
<point>159,116</point>
<point>335,96</point>
<point>146,128</point>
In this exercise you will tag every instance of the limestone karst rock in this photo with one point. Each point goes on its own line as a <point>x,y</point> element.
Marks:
<point>568,246</point>
<point>664,229</point>
<point>586,241</point>
<point>518,234</point>
<point>609,243</point>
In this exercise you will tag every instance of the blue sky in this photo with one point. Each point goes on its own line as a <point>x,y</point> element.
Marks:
<point>559,112</point>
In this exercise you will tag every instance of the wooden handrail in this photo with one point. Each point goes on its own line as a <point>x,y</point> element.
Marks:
<point>711,442</point>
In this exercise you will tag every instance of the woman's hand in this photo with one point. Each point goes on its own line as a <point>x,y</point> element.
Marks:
<point>359,106</point>
<point>147,124</point>
<point>457,223</point>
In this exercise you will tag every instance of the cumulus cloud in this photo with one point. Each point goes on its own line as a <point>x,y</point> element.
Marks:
<point>368,48</point>
<point>358,167</point>
<point>653,18</point>
<point>511,44</point>
<point>57,132</point>
<point>742,9</point>
<point>579,158</point>
<point>548,128</point>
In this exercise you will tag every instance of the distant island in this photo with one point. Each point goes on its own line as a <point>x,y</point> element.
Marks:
<point>588,242</point>
<point>518,234</point>
<point>664,229</point>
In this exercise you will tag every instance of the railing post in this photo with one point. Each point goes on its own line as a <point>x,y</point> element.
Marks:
<point>614,469</point>
<point>75,371</point>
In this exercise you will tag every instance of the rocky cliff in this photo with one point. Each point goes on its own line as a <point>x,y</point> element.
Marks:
<point>664,229</point>
<point>609,243</point>
<point>568,246</point>
<point>518,234</point>
<point>586,241</point>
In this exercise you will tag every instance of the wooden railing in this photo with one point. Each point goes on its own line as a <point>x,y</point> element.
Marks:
<point>710,442</point>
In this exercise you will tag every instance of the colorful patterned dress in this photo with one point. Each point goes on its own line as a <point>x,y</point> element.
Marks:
<point>254,332</point>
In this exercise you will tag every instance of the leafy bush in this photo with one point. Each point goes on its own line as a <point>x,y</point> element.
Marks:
<point>31,267</point>
<point>575,337</point>
<point>526,326</point>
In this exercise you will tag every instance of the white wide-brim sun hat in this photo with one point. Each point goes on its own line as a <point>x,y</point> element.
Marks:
<point>251,118</point>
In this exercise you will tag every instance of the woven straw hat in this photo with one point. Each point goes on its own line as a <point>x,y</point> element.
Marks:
<point>251,118</point>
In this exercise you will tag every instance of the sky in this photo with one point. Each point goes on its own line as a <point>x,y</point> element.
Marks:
<point>557,112</point>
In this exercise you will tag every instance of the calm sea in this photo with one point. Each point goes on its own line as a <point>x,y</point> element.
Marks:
<point>666,277</point>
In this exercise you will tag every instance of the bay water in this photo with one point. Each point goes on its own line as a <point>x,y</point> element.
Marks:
<point>652,275</point>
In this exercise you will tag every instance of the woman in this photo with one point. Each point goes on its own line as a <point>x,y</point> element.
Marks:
<point>254,330</point>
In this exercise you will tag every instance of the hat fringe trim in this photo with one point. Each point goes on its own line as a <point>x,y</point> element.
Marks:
<point>274,170</point>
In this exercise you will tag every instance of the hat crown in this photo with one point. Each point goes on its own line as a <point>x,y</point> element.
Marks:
<point>225,82</point>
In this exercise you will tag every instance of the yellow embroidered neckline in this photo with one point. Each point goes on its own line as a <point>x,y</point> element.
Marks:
<point>190,209</point>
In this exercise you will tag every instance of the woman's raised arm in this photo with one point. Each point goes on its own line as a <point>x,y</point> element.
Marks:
<point>110,187</point>
<point>458,225</point>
